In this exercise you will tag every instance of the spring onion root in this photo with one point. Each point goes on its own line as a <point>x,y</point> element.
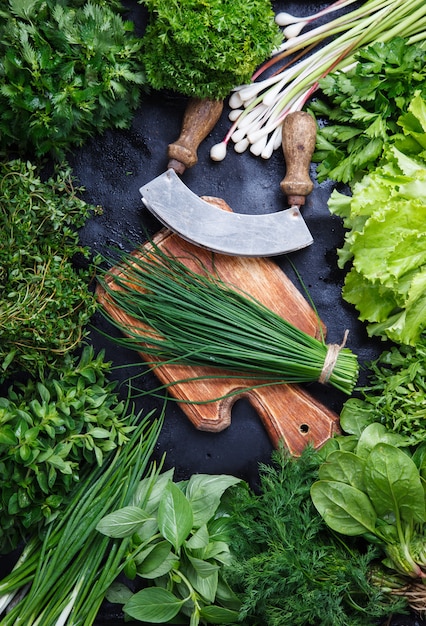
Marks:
<point>311,55</point>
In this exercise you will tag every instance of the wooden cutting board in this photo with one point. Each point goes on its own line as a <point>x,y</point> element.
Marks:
<point>288,412</point>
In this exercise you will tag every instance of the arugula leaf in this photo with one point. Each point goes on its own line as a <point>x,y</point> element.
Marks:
<point>395,396</point>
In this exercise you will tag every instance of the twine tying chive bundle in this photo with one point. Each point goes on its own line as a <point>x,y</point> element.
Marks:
<point>333,350</point>
<point>189,318</point>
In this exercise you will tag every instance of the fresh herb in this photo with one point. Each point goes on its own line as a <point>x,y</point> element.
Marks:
<point>198,319</point>
<point>63,578</point>
<point>364,105</point>
<point>374,488</point>
<point>385,242</point>
<point>179,544</point>
<point>260,106</point>
<point>395,395</point>
<point>204,48</point>
<point>45,302</point>
<point>288,568</point>
<point>51,433</point>
<point>68,70</point>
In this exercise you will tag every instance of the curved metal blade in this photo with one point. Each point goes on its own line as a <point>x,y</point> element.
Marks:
<point>206,225</point>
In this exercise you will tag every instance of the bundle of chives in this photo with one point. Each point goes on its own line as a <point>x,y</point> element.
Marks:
<point>182,316</point>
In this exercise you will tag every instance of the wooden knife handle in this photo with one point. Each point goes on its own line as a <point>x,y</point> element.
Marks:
<point>298,141</point>
<point>200,117</point>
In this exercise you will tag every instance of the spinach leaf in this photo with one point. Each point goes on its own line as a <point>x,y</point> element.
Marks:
<point>394,486</point>
<point>374,434</point>
<point>344,508</point>
<point>388,505</point>
<point>344,467</point>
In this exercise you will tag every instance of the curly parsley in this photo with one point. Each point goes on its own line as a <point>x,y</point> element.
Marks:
<point>205,48</point>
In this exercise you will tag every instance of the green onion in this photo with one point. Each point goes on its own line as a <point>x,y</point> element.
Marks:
<point>259,108</point>
<point>178,315</point>
<point>68,573</point>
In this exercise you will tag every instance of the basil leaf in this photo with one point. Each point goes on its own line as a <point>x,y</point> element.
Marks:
<point>175,516</point>
<point>156,560</point>
<point>122,523</point>
<point>154,605</point>
<point>218,615</point>
<point>204,492</point>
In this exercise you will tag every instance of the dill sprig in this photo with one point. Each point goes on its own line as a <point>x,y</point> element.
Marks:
<point>288,568</point>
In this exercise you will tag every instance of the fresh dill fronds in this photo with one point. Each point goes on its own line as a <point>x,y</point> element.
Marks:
<point>288,567</point>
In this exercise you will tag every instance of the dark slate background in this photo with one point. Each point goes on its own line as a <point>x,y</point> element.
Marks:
<point>111,168</point>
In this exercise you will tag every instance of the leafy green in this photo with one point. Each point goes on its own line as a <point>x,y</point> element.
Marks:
<point>51,433</point>
<point>62,577</point>
<point>395,395</point>
<point>68,70</point>
<point>214,324</point>
<point>288,568</point>
<point>363,106</point>
<point>386,506</point>
<point>45,302</point>
<point>179,546</point>
<point>205,48</point>
<point>385,242</point>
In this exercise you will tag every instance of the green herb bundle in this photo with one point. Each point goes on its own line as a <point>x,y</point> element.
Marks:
<point>197,319</point>
<point>63,578</point>
<point>288,568</point>
<point>395,395</point>
<point>52,432</point>
<point>179,536</point>
<point>68,70</point>
<point>372,486</point>
<point>205,48</point>
<point>363,104</point>
<point>45,302</point>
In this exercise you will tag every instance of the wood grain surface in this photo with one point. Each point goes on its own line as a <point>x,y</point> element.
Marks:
<point>289,413</point>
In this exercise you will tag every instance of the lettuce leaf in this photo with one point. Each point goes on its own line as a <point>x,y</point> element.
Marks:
<point>385,242</point>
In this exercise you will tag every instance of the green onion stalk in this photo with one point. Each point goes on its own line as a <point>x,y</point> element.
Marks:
<point>259,108</point>
<point>181,316</point>
<point>63,577</point>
